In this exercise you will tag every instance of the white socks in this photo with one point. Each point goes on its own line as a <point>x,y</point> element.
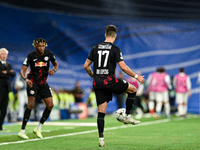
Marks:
<point>22,131</point>
<point>167,109</point>
<point>39,126</point>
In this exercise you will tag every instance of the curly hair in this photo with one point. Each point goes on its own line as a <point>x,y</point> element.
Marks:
<point>39,40</point>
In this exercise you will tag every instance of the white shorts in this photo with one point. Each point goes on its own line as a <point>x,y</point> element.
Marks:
<point>152,96</point>
<point>162,96</point>
<point>181,98</point>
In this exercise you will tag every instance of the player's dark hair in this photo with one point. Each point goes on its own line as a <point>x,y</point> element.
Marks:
<point>182,70</point>
<point>39,40</point>
<point>111,30</point>
<point>162,69</point>
<point>158,70</point>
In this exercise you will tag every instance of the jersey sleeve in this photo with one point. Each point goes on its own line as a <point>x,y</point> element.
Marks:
<point>27,61</point>
<point>52,57</point>
<point>91,57</point>
<point>118,55</point>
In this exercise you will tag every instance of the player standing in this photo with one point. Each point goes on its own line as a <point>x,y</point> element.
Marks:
<point>36,81</point>
<point>104,56</point>
<point>182,84</point>
<point>162,92</point>
<point>152,83</point>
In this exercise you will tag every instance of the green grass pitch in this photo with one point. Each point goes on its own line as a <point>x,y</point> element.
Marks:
<point>152,134</point>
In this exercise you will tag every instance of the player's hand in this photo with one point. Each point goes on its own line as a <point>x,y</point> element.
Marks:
<point>141,79</point>
<point>4,71</point>
<point>29,83</point>
<point>51,72</point>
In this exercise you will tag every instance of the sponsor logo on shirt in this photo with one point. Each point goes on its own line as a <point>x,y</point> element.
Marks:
<point>40,64</point>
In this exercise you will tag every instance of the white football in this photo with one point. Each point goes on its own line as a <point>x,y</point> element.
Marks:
<point>120,114</point>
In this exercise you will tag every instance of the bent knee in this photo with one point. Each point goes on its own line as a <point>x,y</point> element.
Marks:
<point>131,89</point>
<point>50,106</point>
<point>30,106</point>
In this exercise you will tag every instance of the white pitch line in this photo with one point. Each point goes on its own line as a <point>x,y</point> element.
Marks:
<point>91,131</point>
<point>62,124</point>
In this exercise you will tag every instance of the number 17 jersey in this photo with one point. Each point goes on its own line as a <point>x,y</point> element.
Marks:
<point>105,56</point>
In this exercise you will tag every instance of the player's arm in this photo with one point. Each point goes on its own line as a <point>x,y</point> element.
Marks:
<point>23,75</point>
<point>128,71</point>
<point>189,85</point>
<point>168,82</point>
<point>88,68</point>
<point>55,68</point>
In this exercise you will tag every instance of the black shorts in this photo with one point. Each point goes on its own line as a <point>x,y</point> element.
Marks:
<point>105,94</point>
<point>44,91</point>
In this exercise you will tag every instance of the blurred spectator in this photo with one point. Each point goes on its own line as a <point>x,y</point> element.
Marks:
<point>55,112</point>
<point>163,84</point>
<point>78,92</point>
<point>182,86</point>
<point>6,72</point>
<point>55,98</point>
<point>66,98</point>
<point>61,99</point>
<point>91,103</point>
<point>20,86</point>
<point>11,109</point>
<point>120,97</point>
<point>152,83</point>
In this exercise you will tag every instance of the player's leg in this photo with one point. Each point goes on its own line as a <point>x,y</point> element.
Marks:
<point>179,97</point>
<point>100,122</point>
<point>49,105</point>
<point>151,103</point>
<point>166,104</point>
<point>159,100</point>
<point>45,94</point>
<point>102,97</point>
<point>131,91</point>
<point>185,101</point>
<point>27,113</point>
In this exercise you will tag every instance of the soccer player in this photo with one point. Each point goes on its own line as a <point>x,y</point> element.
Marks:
<point>162,93</point>
<point>152,83</point>
<point>182,84</point>
<point>104,56</point>
<point>36,81</point>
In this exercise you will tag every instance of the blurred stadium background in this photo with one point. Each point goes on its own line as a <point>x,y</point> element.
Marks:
<point>151,34</point>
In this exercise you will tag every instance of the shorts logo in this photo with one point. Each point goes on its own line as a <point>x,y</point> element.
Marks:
<point>124,81</point>
<point>46,58</point>
<point>32,92</point>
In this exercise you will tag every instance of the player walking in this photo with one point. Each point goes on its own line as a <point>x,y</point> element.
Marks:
<point>36,80</point>
<point>104,56</point>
